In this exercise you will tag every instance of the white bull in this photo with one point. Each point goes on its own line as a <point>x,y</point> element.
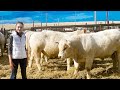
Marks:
<point>2,43</point>
<point>45,42</point>
<point>86,47</point>
<point>52,50</point>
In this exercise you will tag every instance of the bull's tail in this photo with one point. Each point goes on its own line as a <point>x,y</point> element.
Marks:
<point>45,53</point>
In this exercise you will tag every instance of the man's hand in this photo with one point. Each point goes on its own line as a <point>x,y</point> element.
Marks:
<point>10,62</point>
<point>12,65</point>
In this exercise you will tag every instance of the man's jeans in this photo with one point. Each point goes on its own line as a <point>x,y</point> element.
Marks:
<point>23,65</point>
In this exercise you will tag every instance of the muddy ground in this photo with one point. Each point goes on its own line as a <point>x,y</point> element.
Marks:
<point>56,69</point>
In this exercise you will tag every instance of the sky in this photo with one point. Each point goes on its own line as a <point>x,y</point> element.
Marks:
<point>11,17</point>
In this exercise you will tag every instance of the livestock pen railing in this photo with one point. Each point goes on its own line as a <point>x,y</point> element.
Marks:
<point>93,27</point>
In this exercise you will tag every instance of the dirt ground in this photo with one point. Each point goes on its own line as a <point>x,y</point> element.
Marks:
<point>56,69</point>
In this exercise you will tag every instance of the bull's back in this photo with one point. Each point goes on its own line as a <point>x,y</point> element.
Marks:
<point>106,43</point>
<point>37,40</point>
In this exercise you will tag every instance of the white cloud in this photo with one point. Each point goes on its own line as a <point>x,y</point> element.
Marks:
<point>23,19</point>
<point>79,16</point>
<point>37,16</point>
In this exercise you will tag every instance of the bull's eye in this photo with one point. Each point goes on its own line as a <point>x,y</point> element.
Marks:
<point>65,48</point>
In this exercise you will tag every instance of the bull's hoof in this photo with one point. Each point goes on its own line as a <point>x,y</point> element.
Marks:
<point>29,66</point>
<point>118,71</point>
<point>68,69</point>
<point>40,71</point>
<point>75,72</point>
<point>88,76</point>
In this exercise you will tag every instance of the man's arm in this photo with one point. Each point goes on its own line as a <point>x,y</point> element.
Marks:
<point>10,40</point>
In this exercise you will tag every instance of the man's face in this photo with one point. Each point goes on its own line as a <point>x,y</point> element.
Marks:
<point>19,27</point>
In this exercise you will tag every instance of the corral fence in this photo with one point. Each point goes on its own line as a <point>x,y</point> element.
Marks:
<point>69,28</point>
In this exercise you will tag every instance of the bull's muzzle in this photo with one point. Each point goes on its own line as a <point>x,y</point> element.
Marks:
<point>59,57</point>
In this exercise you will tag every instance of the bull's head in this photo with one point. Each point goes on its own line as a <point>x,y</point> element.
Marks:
<point>63,46</point>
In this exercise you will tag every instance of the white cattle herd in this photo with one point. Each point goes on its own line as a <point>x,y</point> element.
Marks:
<point>78,46</point>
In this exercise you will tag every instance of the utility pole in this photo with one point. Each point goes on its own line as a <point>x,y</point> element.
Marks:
<point>41,26</point>
<point>2,21</point>
<point>95,20</point>
<point>46,18</point>
<point>95,17</point>
<point>58,21</point>
<point>75,21</point>
<point>33,24</point>
<point>107,20</point>
<point>75,17</point>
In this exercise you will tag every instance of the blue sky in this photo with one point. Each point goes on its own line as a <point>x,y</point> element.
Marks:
<point>55,16</point>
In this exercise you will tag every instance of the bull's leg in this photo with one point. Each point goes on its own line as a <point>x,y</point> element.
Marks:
<point>31,59</point>
<point>118,61</point>
<point>76,65</point>
<point>2,50</point>
<point>46,58</point>
<point>42,57</point>
<point>45,55</point>
<point>37,59</point>
<point>68,64</point>
<point>38,64</point>
<point>115,59</point>
<point>69,61</point>
<point>88,66</point>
